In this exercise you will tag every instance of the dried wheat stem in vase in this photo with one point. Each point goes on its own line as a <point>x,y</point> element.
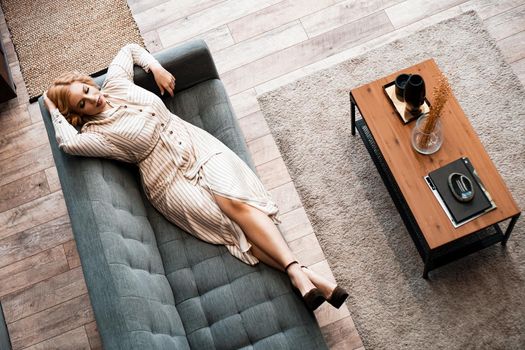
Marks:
<point>441,93</point>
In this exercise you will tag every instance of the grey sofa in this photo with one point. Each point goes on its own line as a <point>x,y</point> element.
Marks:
<point>152,285</point>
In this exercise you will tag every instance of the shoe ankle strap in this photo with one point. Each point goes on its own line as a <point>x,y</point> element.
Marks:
<point>290,264</point>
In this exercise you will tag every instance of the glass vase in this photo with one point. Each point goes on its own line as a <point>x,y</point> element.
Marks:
<point>426,143</point>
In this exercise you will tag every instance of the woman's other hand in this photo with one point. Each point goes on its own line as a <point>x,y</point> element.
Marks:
<point>49,104</point>
<point>164,79</point>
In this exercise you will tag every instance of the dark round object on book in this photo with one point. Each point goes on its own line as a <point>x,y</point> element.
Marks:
<point>401,81</point>
<point>461,187</point>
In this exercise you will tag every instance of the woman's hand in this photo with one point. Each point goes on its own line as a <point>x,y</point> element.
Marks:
<point>49,104</point>
<point>164,79</point>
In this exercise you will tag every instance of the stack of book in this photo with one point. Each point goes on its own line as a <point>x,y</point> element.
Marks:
<point>459,212</point>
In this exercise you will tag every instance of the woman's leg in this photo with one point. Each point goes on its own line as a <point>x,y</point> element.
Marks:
<point>264,235</point>
<point>265,258</point>
<point>324,285</point>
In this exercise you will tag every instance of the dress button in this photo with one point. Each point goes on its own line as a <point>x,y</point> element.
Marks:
<point>171,132</point>
<point>153,114</point>
<point>140,110</point>
<point>180,143</point>
<point>125,106</point>
<point>162,124</point>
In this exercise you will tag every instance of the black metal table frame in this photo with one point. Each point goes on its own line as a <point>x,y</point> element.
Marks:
<point>442,255</point>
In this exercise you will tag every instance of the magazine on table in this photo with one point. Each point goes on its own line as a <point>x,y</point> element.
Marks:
<point>459,191</point>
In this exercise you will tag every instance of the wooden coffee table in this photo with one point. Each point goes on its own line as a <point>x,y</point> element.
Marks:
<point>402,169</point>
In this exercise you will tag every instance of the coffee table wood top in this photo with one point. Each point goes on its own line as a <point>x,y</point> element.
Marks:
<point>409,167</point>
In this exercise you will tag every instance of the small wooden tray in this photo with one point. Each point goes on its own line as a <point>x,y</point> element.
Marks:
<point>399,106</point>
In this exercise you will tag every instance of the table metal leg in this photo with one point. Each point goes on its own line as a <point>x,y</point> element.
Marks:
<point>509,229</point>
<point>352,112</point>
<point>425,272</point>
<point>426,268</point>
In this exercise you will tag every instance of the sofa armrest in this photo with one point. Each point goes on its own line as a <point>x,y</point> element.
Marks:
<point>190,63</point>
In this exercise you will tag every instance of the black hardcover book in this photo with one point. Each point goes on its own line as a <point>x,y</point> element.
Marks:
<point>460,211</point>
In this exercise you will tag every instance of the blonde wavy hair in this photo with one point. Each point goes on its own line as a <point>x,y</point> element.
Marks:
<point>59,94</point>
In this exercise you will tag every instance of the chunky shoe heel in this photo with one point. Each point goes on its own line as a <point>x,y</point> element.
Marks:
<point>313,298</point>
<point>338,297</point>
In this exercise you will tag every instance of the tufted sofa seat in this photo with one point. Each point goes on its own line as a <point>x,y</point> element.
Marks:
<point>152,285</point>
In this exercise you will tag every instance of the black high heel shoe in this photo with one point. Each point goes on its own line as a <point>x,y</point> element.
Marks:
<point>313,298</point>
<point>338,296</point>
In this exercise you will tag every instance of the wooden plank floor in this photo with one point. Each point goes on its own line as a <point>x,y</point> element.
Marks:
<point>258,45</point>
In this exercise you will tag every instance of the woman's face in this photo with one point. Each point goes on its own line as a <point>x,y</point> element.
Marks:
<point>86,99</point>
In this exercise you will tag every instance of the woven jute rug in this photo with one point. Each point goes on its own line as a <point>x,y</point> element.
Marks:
<point>55,36</point>
<point>474,303</point>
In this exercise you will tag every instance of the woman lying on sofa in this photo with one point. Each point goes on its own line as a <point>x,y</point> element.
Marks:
<point>189,176</point>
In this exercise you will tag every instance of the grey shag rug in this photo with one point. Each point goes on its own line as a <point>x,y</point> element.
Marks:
<point>477,302</point>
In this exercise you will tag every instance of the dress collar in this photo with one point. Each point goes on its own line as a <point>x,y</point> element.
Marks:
<point>107,113</point>
<point>104,116</point>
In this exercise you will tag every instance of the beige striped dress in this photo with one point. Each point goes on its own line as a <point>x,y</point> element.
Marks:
<point>181,165</point>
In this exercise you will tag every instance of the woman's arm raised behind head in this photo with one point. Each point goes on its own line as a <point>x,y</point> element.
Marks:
<point>129,55</point>
<point>82,144</point>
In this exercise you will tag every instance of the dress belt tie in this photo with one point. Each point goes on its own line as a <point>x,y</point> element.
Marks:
<point>192,172</point>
